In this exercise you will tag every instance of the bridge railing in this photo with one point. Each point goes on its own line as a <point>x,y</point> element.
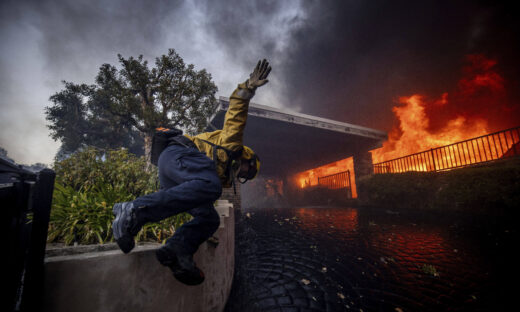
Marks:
<point>337,181</point>
<point>486,148</point>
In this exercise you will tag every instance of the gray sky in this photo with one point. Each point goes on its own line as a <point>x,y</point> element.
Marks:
<point>45,42</point>
<point>344,60</point>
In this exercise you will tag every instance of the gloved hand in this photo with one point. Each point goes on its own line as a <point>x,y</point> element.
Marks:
<point>259,75</point>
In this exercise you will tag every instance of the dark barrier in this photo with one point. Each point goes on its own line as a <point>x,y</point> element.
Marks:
<point>482,149</point>
<point>26,198</point>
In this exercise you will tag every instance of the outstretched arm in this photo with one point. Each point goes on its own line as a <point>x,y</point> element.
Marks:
<point>236,115</point>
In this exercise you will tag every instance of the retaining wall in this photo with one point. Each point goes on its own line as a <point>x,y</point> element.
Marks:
<point>102,278</point>
<point>487,189</point>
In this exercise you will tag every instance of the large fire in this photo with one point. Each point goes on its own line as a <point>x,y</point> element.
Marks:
<point>475,107</point>
<point>413,134</point>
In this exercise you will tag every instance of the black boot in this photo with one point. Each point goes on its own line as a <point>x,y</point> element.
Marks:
<point>180,263</point>
<point>125,225</point>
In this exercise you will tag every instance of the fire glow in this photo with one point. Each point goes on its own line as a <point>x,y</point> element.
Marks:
<point>474,108</point>
<point>311,177</point>
<point>413,136</point>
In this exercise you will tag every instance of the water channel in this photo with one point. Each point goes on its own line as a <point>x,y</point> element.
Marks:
<point>348,259</point>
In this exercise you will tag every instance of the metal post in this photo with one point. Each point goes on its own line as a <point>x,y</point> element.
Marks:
<point>478,150</point>
<point>449,158</point>
<point>495,144</point>
<point>512,139</point>
<point>489,147</point>
<point>349,185</point>
<point>433,159</point>
<point>473,148</point>
<point>458,152</point>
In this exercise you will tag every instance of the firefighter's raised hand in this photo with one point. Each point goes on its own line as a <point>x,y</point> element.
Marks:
<point>259,76</point>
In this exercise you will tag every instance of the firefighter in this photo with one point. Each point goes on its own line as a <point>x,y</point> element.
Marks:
<point>192,172</point>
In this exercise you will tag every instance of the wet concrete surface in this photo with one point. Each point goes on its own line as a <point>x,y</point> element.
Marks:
<point>347,259</point>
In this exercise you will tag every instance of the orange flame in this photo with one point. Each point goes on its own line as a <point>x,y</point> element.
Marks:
<point>476,106</point>
<point>310,177</point>
<point>414,136</point>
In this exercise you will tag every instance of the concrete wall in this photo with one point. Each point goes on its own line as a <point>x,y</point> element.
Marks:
<point>108,280</point>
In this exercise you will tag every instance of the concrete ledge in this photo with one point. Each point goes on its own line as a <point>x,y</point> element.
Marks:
<point>108,280</point>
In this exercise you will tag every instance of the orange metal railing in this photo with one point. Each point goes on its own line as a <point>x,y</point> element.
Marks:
<point>486,148</point>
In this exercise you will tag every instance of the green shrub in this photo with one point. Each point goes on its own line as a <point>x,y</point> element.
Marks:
<point>490,189</point>
<point>404,190</point>
<point>87,186</point>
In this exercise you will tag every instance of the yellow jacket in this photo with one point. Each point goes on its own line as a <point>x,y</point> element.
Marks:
<point>231,135</point>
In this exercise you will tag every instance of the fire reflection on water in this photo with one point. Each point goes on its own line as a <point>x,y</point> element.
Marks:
<point>345,221</point>
<point>374,260</point>
<point>409,245</point>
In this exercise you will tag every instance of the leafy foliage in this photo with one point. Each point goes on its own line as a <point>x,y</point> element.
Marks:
<point>87,186</point>
<point>125,105</point>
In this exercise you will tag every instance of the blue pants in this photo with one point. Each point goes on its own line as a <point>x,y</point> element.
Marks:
<point>189,183</point>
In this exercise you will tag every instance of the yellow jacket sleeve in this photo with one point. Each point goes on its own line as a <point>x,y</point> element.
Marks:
<point>232,133</point>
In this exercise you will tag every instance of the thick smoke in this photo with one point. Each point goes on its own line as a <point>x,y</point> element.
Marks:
<point>78,36</point>
<point>50,41</point>
<point>345,60</point>
<point>250,30</point>
<point>351,60</point>
<point>45,42</point>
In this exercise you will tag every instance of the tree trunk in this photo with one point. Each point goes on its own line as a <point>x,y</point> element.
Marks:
<point>148,135</point>
<point>148,150</point>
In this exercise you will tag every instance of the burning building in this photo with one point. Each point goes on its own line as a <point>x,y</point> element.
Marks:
<point>303,154</point>
<point>291,144</point>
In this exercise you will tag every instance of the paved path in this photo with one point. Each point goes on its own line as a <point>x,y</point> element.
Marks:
<point>339,259</point>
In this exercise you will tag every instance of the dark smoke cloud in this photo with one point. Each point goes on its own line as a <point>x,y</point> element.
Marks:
<point>244,28</point>
<point>44,42</point>
<point>351,60</point>
<point>252,30</point>
<point>344,60</point>
<point>82,33</point>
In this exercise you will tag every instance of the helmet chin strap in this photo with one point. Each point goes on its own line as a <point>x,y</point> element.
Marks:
<point>250,173</point>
